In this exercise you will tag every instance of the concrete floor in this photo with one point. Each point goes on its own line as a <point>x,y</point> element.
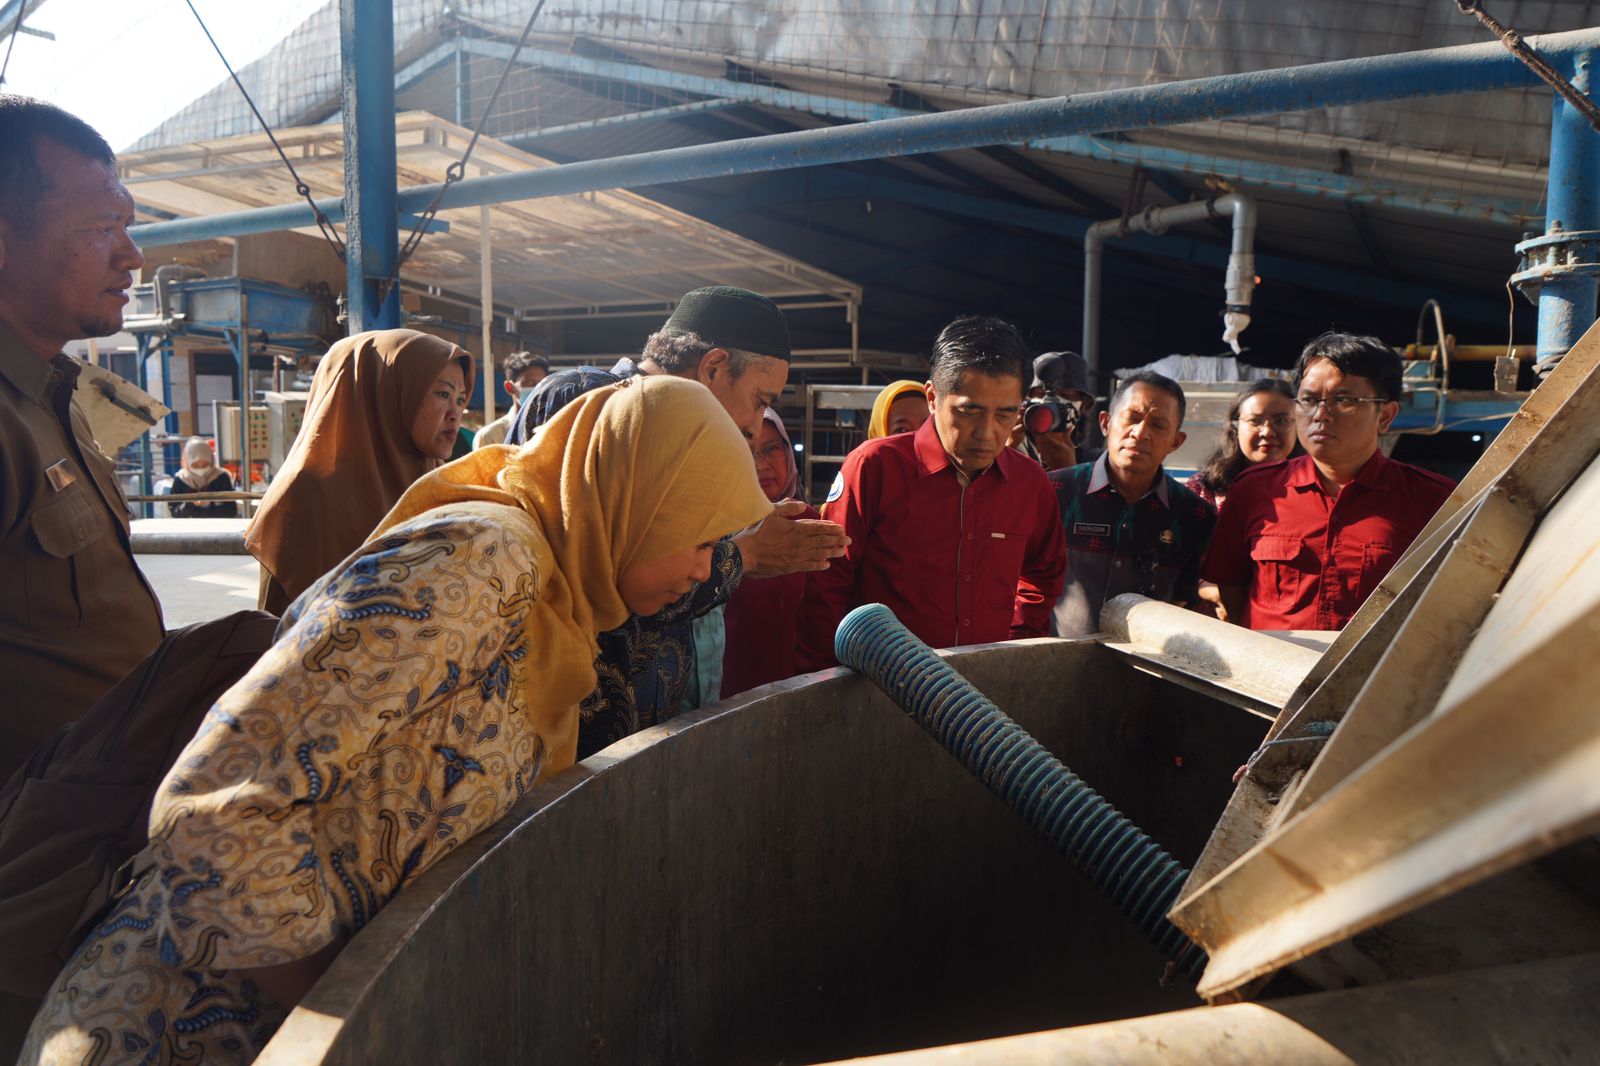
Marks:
<point>196,588</point>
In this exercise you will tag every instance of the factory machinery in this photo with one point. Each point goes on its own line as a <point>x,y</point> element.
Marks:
<point>251,318</point>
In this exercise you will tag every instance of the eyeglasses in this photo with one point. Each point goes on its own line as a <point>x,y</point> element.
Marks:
<point>1339,405</point>
<point>771,453</point>
<point>1263,421</point>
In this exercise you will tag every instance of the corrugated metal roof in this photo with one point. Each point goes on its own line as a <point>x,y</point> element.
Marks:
<point>567,254</point>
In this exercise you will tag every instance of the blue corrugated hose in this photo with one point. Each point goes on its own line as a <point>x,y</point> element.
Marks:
<point>1141,878</point>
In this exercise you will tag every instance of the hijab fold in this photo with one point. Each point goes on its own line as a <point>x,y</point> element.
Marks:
<point>878,424</point>
<point>626,474</point>
<point>354,455</point>
<point>195,449</point>
<point>791,486</point>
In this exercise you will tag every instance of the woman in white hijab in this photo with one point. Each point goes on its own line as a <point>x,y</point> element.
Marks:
<point>201,474</point>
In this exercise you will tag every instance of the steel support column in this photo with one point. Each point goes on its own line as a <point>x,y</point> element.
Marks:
<point>1567,299</point>
<point>366,50</point>
<point>142,379</point>
<point>486,307</point>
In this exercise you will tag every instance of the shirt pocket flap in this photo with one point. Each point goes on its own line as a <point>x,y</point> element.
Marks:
<point>1276,548</point>
<point>66,525</point>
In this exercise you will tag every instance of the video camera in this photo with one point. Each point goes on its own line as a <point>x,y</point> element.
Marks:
<point>1049,416</point>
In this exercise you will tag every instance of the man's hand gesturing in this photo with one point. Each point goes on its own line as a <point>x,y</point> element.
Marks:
<point>781,546</point>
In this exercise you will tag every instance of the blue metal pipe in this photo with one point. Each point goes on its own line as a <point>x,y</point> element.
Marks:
<point>372,238</point>
<point>1567,300</point>
<point>1173,160</point>
<point>720,93</point>
<point>1141,879</point>
<point>1439,71</point>
<point>142,379</point>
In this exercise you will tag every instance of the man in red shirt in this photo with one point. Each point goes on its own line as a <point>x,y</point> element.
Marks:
<point>1299,544</point>
<point>952,530</point>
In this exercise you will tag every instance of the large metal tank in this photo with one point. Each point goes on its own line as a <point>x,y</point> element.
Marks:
<point>795,875</point>
<point>802,874</point>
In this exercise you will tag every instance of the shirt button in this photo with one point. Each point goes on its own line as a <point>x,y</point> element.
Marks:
<point>966,577</point>
<point>969,536</point>
<point>79,533</point>
<point>1117,564</point>
<point>966,621</point>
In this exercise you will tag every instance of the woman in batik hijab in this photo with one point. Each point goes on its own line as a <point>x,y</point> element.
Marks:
<point>414,694</point>
<point>384,409</point>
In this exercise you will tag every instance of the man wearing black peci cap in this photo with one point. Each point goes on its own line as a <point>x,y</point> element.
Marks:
<point>733,341</point>
<point>736,343</point>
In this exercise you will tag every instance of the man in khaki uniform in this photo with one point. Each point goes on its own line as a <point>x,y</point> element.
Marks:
<point>75,612</point>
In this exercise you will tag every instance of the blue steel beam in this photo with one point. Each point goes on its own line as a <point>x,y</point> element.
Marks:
<point>1171,246</point>
<point>366,45</point>
<point>795,189</point>
<point>1439,71</point>
<point>632,118</point>
<point>1567,301</point>
<point>9,9</point>
<point>1103,149</point>
<point>1260,174</point>
<point>672,81</point>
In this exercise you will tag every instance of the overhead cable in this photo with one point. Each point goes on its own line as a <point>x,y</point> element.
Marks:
<point>458,170</point>
<point>16,28</point>
<point>323,222</point>
<point>1518,46</point>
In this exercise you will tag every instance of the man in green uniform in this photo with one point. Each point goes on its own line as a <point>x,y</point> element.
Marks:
<point>75,612</point>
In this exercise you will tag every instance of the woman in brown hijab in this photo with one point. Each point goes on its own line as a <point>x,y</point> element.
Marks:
<point>384,409</point>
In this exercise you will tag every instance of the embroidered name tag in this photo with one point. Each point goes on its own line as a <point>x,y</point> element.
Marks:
<point>1091,529</point>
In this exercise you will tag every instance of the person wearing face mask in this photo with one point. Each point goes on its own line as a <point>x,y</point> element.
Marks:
<point>762,613</point>
<point>1259,429</point>
<point>415,694</point>
<point>1129,526</point>
<point>1301,543</point>
<point>384,409</point>
<point>952,530</point>
<point>200,474</point>
<point>523,371</point>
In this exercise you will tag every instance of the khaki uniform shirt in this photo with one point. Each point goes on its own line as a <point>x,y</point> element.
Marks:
<point>75,612</point>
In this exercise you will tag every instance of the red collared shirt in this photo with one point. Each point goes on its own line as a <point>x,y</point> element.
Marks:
<point>1306,558</point>
<point>956,565</point>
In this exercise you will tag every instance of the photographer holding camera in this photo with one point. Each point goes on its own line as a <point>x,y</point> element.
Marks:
<point>1054,422</point>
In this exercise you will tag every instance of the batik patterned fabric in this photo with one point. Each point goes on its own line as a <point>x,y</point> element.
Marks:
<point>384,728</point>
<point>645,664</point>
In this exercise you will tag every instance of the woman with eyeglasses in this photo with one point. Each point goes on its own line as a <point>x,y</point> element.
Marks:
<point>1259,429</point>
<point>763,611</point>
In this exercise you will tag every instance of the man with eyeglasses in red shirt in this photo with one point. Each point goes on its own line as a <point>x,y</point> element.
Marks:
<point>1300,544</point>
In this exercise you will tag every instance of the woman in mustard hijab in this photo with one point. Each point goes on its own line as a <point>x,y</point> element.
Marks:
<point>901,407</point>
<point>414,694</point>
